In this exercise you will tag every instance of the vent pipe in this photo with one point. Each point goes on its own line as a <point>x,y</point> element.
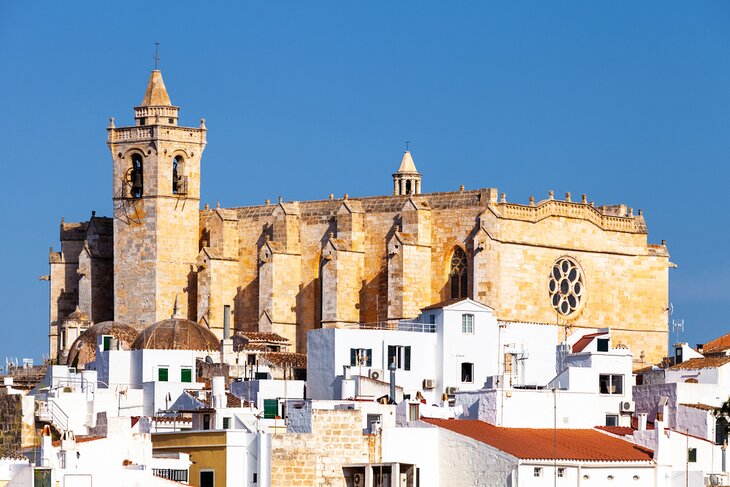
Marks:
<point>226,322</point>
<point>391,368</point>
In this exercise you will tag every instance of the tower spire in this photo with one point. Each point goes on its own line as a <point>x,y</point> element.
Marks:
<point>157,56</point>
<point>407,180</point>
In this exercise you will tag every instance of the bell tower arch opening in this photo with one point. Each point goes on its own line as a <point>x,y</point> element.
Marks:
<point>407,181</point>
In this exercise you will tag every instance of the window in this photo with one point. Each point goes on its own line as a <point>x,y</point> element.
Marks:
<point>602,344</point>
<point>561,471</point>
<point>565,286</point>
<point>177,167</point>
<point>186,374</point>
<point>611,384</point>
<point>431,319</point>
<point>271,408</point>
<point>692,455</point>
<point>721,430</point>
<point>467,324</point>
<point>226,423</point>
<point>107,342</point>
<point>206,421</point>
<point>162,374</point>
<point>400,356</point>
<point>255,478</point>
<point>458,275</point>
<point>207,478</point>
<point>136,176</point>
<point>251,359</point>
<point>537,472</point>
<point>361,356</point>
<point>467,372</point>
<point>611,420</point>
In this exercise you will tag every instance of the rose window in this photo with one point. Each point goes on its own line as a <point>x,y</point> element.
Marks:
<point>566,286</point>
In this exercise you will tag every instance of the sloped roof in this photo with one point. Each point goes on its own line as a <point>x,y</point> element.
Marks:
<point>407,164</point>
<point>702,363</point>
<point>453,301</point>
<point>156,94</point>
<point>718,344</point>
<point>704,407</point>
<point>538,444</point>
<point>583,341</point>
<point>260,336</point>
<point>280,359</point>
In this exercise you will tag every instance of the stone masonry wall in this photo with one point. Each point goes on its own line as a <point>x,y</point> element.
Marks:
<point>316,458</point>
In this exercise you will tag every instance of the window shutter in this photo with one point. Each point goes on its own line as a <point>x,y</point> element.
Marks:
<point>370,358</point>
<point>353,356</point>
<point>162,374</point>
<point>407,358</point>
<point>391,355</point>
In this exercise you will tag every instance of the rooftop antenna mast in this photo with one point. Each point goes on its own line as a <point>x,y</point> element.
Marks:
<point>408,144</point>
<point>677,328</point>
<point>157,55</point>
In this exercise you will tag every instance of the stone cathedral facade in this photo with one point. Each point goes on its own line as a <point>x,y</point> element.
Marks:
<point>292,266</point>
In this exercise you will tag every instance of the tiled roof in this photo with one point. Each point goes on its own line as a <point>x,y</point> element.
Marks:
<point>525,443</point>
<point>206,402</point>
<point>280,359</point>
<point>617,430</point>
<point>704,407</point>
<point>444,304</point>
<point>583,341</point>
<point>702,363</point>
<point>718,344</point>
<point>260,336</point>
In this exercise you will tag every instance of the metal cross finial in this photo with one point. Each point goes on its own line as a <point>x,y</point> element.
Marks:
<point>157,55</point>
<point>408,144</point>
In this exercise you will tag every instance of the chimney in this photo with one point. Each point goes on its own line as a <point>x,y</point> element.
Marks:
<point>641,421</point>
<point>226,322</point>
<point>218,392</point>
<point>701,348</point>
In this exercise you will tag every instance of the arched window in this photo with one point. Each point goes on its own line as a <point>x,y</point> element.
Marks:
<point>136,176</point>
<point>458,276</point>
<point>177,168</point>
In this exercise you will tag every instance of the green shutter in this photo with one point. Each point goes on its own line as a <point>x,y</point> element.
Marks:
<point>391,355</point>
<point>407,359</point>
<point>107,343</point>
<point>186,375</point>
<point>162,374</point>
<point>353,356</point>
<point>271,408</point>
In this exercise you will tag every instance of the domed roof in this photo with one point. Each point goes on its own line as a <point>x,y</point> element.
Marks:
<point>176,334</point>
<point>77,315</point>
<point>83,349</point>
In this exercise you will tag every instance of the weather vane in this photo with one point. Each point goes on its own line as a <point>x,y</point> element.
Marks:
<point>157,55</point>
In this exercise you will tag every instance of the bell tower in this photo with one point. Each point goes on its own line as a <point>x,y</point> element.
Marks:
<point>156,191</point>
<point>407,180</point>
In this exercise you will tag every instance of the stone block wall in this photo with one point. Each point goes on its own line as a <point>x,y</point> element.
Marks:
<point>316,458</point>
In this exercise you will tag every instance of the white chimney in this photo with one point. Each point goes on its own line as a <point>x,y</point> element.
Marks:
<point>642,421</point>
<point>218,391</point>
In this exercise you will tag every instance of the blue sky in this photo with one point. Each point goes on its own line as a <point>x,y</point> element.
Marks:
<point>625,101</point>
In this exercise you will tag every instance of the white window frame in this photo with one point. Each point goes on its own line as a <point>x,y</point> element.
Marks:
<point>611,384</point>
<point>467,324</point>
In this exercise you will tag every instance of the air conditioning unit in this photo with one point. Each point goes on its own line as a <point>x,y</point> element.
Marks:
<point>452,390</point>
<point>375,374</point>
<point>627,406</point>
<point>358,479</point>
<point>429,383</point>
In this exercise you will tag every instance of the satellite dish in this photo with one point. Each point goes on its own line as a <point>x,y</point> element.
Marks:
<point>208,359</point>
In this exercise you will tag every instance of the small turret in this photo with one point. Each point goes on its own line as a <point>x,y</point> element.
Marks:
<point>156,108</point>
<point>407,180</point>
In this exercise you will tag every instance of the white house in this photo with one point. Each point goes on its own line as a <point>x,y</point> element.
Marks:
<point>452,346</point>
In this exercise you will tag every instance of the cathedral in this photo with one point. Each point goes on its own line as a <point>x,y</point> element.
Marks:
<point>288,267</point>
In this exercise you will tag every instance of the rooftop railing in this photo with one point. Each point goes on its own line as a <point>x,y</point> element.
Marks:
<point>399,326</point>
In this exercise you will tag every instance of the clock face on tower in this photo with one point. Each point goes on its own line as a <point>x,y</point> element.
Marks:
<point>566,286</point>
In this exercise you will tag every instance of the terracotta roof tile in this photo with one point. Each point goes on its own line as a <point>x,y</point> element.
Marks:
<point>525,443</point>
<point>702,363</point>
<point>444,304</point>
<point>279,359</point>
<point>260,336</point>
<point>718,344</point>
<point>583,342</point>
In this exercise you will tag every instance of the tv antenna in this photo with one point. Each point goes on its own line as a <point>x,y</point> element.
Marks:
<point>678,327</point>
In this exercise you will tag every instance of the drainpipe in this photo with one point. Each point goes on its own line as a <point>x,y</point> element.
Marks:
<point>391,367</point>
